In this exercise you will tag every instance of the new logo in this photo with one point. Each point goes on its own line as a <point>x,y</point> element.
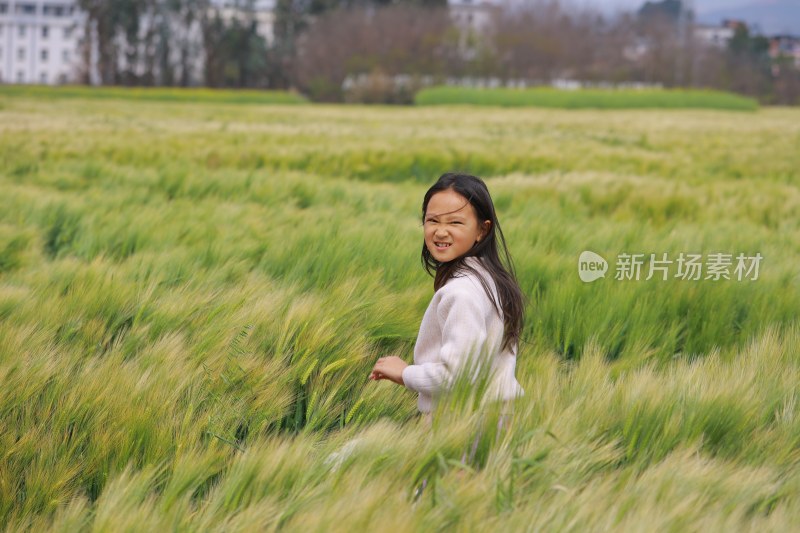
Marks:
<point>591,266</point>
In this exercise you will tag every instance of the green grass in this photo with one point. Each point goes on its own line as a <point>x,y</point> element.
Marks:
<point>191,299</point>
<point>587,98</point>
<point>156,94</point>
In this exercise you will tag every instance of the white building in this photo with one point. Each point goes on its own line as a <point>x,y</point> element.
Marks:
<point>474,18</point>
<point>716,36</point>
<point>787,46</point>
<point>472,15</point>
<point>39,41</point>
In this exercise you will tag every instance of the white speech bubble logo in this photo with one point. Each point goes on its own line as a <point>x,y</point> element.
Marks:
<point>591,266</point>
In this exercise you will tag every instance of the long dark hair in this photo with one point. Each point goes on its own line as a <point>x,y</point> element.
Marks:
<point>512,301</point>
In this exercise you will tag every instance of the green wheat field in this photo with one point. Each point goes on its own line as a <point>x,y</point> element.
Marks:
<point>192,296</point>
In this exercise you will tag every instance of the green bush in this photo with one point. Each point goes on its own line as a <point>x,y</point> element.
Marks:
<point>156,94</point>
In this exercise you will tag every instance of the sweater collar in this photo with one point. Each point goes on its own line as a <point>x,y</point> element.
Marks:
<point>475,262</point>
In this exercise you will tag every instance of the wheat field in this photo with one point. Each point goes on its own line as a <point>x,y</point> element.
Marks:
<point>192,296</point>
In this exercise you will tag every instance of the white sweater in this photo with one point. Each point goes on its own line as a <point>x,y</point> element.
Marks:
<point>459,324</point>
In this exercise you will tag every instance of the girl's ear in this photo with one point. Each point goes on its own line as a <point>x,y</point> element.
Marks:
<point>487,224</point>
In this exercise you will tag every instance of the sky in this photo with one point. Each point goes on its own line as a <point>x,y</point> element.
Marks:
<point>767,17</point>
<point>700,5</point>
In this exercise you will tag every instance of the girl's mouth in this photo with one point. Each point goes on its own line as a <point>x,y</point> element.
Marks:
<point>442,245</point>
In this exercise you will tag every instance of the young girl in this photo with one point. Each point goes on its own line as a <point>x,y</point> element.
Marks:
<point>477,310</point>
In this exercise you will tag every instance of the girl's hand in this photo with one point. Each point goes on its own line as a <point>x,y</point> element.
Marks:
<point>390,368</point>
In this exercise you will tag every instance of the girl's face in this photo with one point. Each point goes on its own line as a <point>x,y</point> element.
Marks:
<point>451,226</point>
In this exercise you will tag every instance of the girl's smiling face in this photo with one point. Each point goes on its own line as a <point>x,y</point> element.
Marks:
<point>451,226</point>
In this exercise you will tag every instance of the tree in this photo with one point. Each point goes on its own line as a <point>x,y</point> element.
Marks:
<point>291,19</point>
<point>100,33</point>
<point>669,10</point>
<point>544,41</point>
<point>376,43</point>
<point>748,68</point>
<point>235,54</point>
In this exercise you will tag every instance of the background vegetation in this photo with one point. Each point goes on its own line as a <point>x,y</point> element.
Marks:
<point>381,51</point>
<point>162,94</point>
<point>192,296</point>
<point>577,99</point>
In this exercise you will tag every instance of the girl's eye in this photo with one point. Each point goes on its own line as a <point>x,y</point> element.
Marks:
<point>457,222</point>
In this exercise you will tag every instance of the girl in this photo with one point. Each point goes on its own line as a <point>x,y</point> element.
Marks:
<point>477,310</point>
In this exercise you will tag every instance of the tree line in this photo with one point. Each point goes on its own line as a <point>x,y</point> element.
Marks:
<point>384,50</point>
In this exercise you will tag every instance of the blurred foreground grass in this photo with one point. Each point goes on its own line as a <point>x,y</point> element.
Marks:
<point>192,295</point>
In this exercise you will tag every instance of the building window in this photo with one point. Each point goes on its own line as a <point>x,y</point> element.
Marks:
<point>21,54</point>
<point>1,29</point>
<point>3,8</point>
<point>43,77</point>
<point>67,32</point>
<point>26,9</point>
<point>62,78</point>
<point>45,32</point>
<point>20,76</point>
<point>54,11</point>
<point>44,56</point>
<point>65,55</point>
<point>21,30</point>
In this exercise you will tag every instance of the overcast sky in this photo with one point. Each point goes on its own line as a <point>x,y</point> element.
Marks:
<point>701,6</point>
<point>764,16</point>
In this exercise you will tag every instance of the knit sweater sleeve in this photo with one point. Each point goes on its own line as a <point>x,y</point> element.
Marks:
<point>461,318</point>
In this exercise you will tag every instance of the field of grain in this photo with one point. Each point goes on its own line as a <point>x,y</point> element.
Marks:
<point>192,296</point>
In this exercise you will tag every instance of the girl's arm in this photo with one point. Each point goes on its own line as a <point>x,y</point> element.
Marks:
<point>461,317</point>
